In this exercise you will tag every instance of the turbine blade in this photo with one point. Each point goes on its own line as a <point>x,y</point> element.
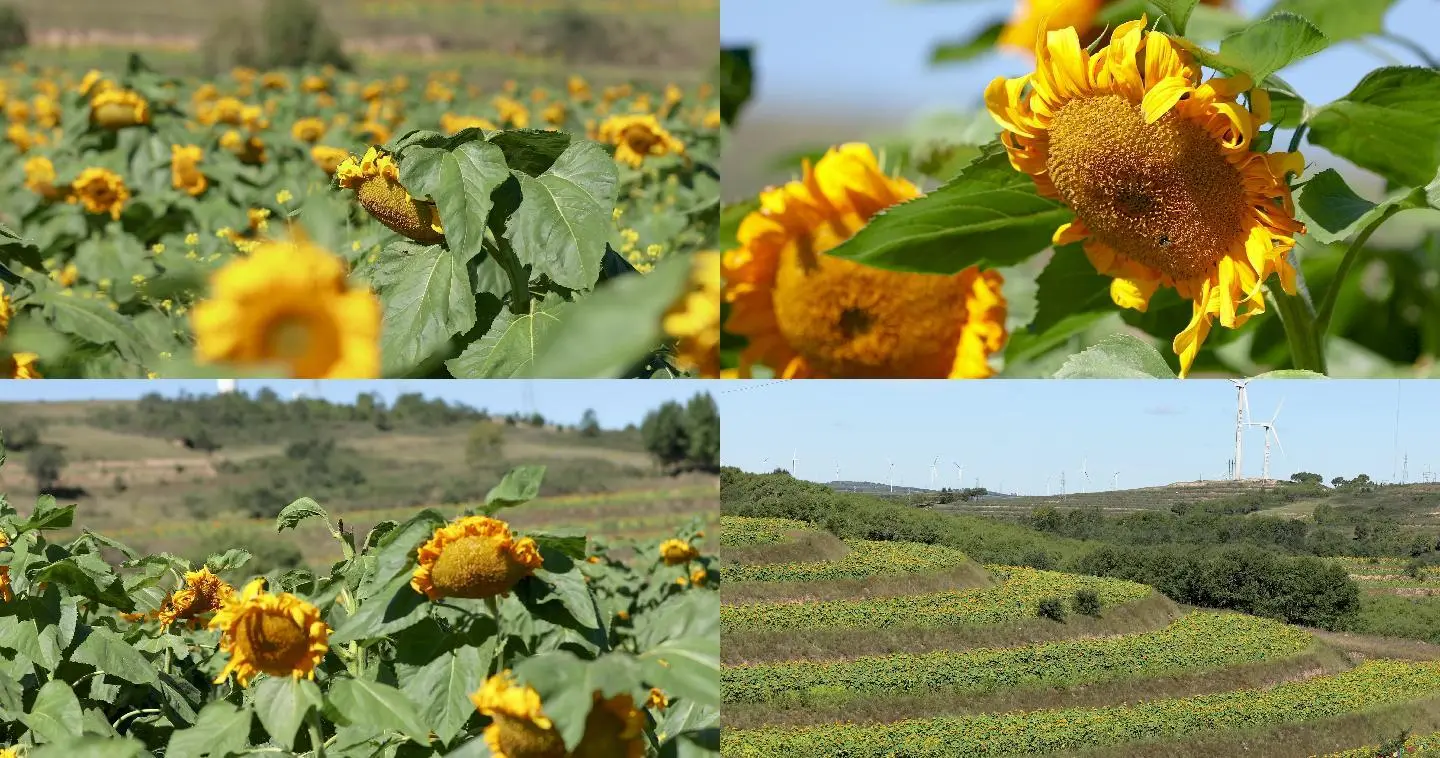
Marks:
<point>1277,410</point>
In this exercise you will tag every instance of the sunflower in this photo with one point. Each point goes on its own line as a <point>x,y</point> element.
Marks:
<point>1158,168</point>
<point>100,190</point>
<point>275,80</point>
<point>637,137</point>
<point>279,635</point>
<point>288,304</point>
<point>810,315</point>
<point>474,557</point>
<point>694,319</point>
<point>578,88</point>
<point>118,108</point>
<point>657,700</point>
<point>7,310</point>
<point>1032,17</point>
<point>513,112</point>
<point>5,594</point>
<point>250,150</point>
<point>519,727</point>
<point>185,169</point>
<point>309,130</point>
<point>676,552</point>
<point>203,592</point>
<point>328,158</point>
<point>376,181</point>
<point>40,178</point>
<point>315,84</point>
<point>19,366</point>
<point>451,123</point>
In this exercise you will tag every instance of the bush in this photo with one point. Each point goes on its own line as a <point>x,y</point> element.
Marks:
<point>23,436</point>
<point>232,43</point>
<point>296,35</point>
<point>1086,603</point>
<point>14,32</point>
<point>1038,559</point>
<point>1052,608</point>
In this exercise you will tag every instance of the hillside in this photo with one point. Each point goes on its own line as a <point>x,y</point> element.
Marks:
<point>864,648</point>
<point>141,483</point>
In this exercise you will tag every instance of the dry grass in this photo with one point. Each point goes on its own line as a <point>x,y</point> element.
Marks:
<point>805,546</point>
<point>1319,660</point>
<point>1287,741</point>
<point>1362,646</point>
<point>767,646</point>
<point>969,576</point>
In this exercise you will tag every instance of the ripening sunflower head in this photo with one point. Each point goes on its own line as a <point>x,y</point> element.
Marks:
<point>694,319</point>
<point>279,635</point>
<point>185,169</point>
<point>376,181</point>
<point>1033,17</point>
<point>23,139</point>
<point>807,314</point>
<point>637,137</point>
<point>1158,168</point>
<point>309,130</point>
<point>5,594</point>
<point>40,178</point>
<point>100,190</point>
<point>328,158</point>
<point>451,123</point>
<point>275,80</point>
<point>676,552</point>
<point>19,366</point>
<point>203,593</point>
<point>118,108</point>
<point>250,150</point>
<point>519,728</point>
<point>474,557</point>
<point>315,83</point>
<point>288,304</point>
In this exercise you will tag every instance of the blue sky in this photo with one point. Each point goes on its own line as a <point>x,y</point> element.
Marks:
<point>1018,432</point>
<point>616,402</point>
<point>872,53</point>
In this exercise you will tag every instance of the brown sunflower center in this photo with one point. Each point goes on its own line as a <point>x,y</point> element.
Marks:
<point>1161,194</point>
<point>640,138</point>
<point>521,738</point>
<point>388,202</point>
<point>277,643</point>
<point>474,567</point>
<point>849,320</point>
<point>604,736</point>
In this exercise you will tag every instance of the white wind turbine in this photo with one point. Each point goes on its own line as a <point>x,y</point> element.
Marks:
<point>960,475</point>
<point>1086,474</point>
<point>892,475</point>
<point>795,465</point>
<point>1115,481</point>
<point>934,471</point>
<point>1270,431</point>
<point>1242,416</point>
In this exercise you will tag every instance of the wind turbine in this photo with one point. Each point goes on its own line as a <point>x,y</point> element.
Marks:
<point>225,386</point>
<point>1085,474</point>
<point>934,471</point>
<point>960,475</point>
<point>1242,414</point>
<point>892,475</point>
<point>1270,431</point>
<point>795,465</point>
<point>764,464</point>
<point>1115,481</point>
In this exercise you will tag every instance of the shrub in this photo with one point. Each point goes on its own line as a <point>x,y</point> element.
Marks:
<point>14,32</point>
<point>1086,603</point>
<point>296,35</point>
<point>1052,608</point>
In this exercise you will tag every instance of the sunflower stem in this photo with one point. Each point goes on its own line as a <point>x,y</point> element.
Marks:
<point>1297,136</point>
<point>1327,306</point>
<point>1307,351</point>
<point>317,736</point>
<point>494,606</point>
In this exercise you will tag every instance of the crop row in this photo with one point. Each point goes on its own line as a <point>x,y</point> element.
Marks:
<point>737,531</point>
<point>1016,598</point>
<point>866,558</point>
<point>1415,747</point>
<point>1373,683</point>
<point>1380,581</point>
<point>1197,641</point>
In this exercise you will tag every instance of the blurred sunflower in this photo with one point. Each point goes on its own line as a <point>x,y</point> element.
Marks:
<point>117,109</point>
<point>1032,18</point>
<point>376,181</point>
<point>638,137</point>
<point>694,319</point>
<point>328,158</point>
<point>40,178</point>
<point>512,112</point>
<point>309,130</point>
<point>250,150</point>
<point>203,593</point>
<point>279,635</point>
<point>185,169</point>
<point>289,304</point>
<point>1159,170</point>
<point>519,728</point>
<point>100,190</point>
<point>473,557</point>
<point>677,552</point>
<point>19,366</point>
<point>451,123</point>
<point>810,315</point>
<point>578,88</point>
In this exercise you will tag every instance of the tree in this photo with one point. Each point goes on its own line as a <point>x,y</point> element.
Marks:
<point>486,443</point>
<point>296,35</point>
<point>664,435</point>
<point>1338,481</point>
<point>201,440</point>
<point>1305,477</point>
<point>44,465</point>
<point>589,424</point>
<point>14,32</point>
<point>702,427</point>
<point>23,436</point>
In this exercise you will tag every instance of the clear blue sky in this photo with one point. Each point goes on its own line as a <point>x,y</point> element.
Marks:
<point>617,402</point>
<point>1018,432</point>
<point>873,53</point>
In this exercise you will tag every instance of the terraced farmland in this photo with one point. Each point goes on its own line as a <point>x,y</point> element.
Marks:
<point>1026,662</point>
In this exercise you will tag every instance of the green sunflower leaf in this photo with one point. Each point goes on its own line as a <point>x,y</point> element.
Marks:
<point>520,485</point>
<point>564,216</point>
<point>990,215</point>
<point>55,715</point>
<point>304,508</point>
<point>1389,124</point>
<point>1339,19</point>
<point>963,50</point>
<point>281,704</point>
<point>428,298</point>
<point>221,730</point>
<point>1178,11</point>
<point>1262,48</point>
<point>1119,356</point>
<point>512,345</point>
<point>460,182</point>
<point>374,706</point>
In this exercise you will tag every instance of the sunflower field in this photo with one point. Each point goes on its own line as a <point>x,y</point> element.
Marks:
<point>866,559</point>
<point>314,224</point>
<point>428,636</point>
<point>1144,196</point>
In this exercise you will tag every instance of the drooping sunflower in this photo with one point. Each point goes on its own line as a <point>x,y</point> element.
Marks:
<point>694,319</point>
<point>289,304</point>
<point>376,181</point>
<point>118,108</point>
<point>203,593</point>
<point>40,178</point>
<point>1159,169</point>
<point>519,728</point>
<point>811,315</point>
<point>1033,17</point>
<point>5,593</point>
<point>675,552</point>
<point>100,190</point>
<point>185,169</point>
<point>637,137</point>
<point>279,635</point>
<point>473,557</point>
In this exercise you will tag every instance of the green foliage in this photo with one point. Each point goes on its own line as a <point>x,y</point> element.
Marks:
<point>589,424</point>
<point>737,79</point>
<point>738,531</point>
<point>44,464</point>
<point>22,435</point>
<point>1052,608</point>
<point>684,437</point>
<point>1086,603</point>
<point>485,443</point>
<point>14,31</point>
<point>866,559</point>
<point>296,34</point>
